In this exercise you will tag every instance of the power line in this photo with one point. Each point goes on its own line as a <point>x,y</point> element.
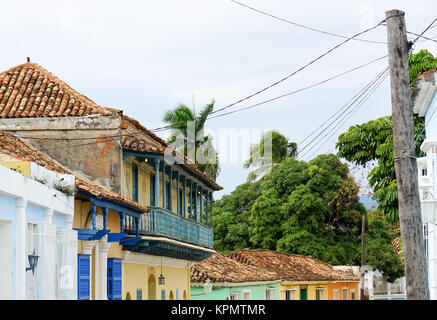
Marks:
<point>344,108</point>
<point>279,81</point>
<point>351,113</point>
<point>299,90</point>
<point>426,29</point>
<point>104,139</point>
<point>345,118</point>
<point>364,99</point>
<point>303,26</point>
<point>339,110</point>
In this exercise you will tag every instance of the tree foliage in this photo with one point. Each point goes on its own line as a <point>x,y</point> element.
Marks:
<point>309,208</point>
<point>280,147</point>
<point>373,141</point>
<point>179,119</point>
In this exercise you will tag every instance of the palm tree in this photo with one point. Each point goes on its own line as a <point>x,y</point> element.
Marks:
<point>281,148</point>
<point>183,120</point>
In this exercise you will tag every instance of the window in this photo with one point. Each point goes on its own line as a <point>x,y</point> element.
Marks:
<point>235,295</point>
<point>353,294</point>
<point>424,172</point>
<point>139,294</point>
<point>290,294</point>
<point>303,293</point>
<point>163,294</point>
<point>319,293</point>
<point>270,294</point>
<point>246,295</point>
<point>344,294</point>
<point>83,277</point>
<point>114,278</point>
<point>336,294</point>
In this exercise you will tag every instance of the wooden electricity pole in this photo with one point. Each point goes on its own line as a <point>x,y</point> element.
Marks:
<point>405,159</point>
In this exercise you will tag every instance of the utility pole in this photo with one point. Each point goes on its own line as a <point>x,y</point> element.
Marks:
<point>363,246</point>
<point>405,159</point>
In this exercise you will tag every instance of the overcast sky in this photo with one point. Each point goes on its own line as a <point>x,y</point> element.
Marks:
<point>145,57</point>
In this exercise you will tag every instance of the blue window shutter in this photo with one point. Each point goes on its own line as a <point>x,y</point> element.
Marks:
<point>83,276</point>
<point>114,279</point>
<point>163,294</point>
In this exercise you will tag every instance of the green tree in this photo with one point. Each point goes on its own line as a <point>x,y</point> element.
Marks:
<point>181,138</point>
<point>373,142</point>
<point>231,218</point>
<point>309,208</point>
<point>281,148</point>
<point>380,252</point>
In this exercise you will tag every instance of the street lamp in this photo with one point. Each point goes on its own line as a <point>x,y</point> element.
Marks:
<point>33,261</point>
<point>161,279</point>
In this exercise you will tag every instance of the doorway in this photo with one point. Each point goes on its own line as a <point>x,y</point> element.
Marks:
<point>151,287</point>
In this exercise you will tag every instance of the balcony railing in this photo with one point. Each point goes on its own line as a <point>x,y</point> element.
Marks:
<point>161,222</point>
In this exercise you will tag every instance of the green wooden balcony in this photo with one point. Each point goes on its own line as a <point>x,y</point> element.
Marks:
<point>163,223</point>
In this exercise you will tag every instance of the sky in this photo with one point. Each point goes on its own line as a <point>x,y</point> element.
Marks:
<point>145,57</point>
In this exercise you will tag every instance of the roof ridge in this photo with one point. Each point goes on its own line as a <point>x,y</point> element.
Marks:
<point>61,83</point>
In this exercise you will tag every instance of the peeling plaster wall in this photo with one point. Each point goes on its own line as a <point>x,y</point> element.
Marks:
<point>83,144</point>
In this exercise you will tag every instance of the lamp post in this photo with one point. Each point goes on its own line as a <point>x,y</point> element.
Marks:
<point>33,261</point>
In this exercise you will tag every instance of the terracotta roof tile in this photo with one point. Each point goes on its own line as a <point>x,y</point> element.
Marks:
<point>219,268</point>
<point>29,90</point>
<point>291,267</point>
<point>13,146</point>
<point>159,146</point>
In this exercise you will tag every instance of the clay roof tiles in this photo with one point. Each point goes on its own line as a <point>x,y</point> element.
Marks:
<point>15,147</point>
<point>219,268</point>
<point>291,267</point>
<point>28,90</point>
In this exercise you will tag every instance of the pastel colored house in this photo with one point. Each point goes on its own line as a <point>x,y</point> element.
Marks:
<point>35,220</point>
<point>291,276</point>
<point>424,103</point>
<point>302,277</point>
<point>143,211</point>
<point>232,280</point>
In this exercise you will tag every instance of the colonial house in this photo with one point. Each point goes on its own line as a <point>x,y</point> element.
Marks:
<point>376,284</point>
<point>160,214</point>
<point>38,245</point>
<point>267,274</point>
<point>424,102</point>
<point>222,278</point>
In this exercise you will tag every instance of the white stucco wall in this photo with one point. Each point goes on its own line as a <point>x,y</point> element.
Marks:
<point>36,216</point>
